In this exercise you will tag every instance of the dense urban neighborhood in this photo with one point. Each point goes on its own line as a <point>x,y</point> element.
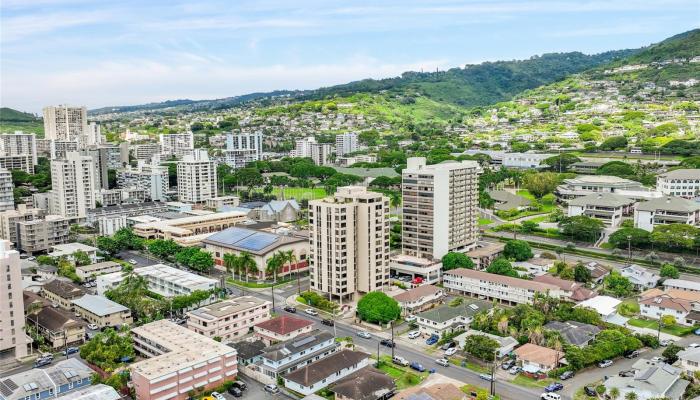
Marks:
<point>363,242</point>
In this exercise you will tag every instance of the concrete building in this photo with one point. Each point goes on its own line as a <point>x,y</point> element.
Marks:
<point>62,293</point>
<point>497,287</point>
<point>68,251</point>
<point>243,148</point>
<point>176,144</point>
<point>440,207</point>
<point>261,245</point>
<point>283,358</point>
<point>446,319</point>
<point>222,203</point>
<point>73,185</point>
<point>10,218</point>
<point>428,271</point>
<point>145,151</point>
<point>321,153</point>
<point>168,281</point>
<point>90,272</point>
<point>102,311</point>
<point>606,207</point>
<point>229,319</point>
<point>679,183</point>
<point>349,242</point>
<point>150,177</point>
<point>107,220</point>
<point>189,231</point>
<point>346,143</point>
<point>178,361</point>
<point>23,163</point>
<point>59,380</point>
<point>302,147</point>
<point>65,123</point>
<point>419,299</point>
<point>13,340</point>
<point>666,210</point>
<point>41,234</point>
<point>572,291</point>
<point>314,377</point>
<point>196,178</point>
<point>7,199</point>
<point>282,329</point>
<point>59,148</point>
<point>584,185</point>
<point>19,144</point>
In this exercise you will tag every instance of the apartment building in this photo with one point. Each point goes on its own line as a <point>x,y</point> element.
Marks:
<point>681,284</point>
<point>309,148</point>
<point>416,268</point>
<point>7,198</point>
<point>349,242</point>
<point>68,250</point>
<point>73,185</point>
<point>113,197</point>
<point>666,210</point>
<point>446,319</point>
<point>103,159</point>
<point>23,163</point>
<point>59,148</point>
<point>282,329</point>
<point>151,178</point>
<point>282,358</point>
<point>90,272</point>
<point>169,282</point>
<point>102,311</point>
<point>243,148</point>
<point>419,298</point>
<point>680,183</point>
<point>62,379</point>
<point>196,178</point>
<point>302,147</point>
<point>314,377</point>
<point>145,151</point>
<point>440,207</point>
<point>19,144</point>
<point>62,293</point>
<point>109,219</point>
<point>41,234</point>
<point>346,143</point>
<point>59,328</point>
<point>176,144</point>
<point>10,218</point>
<point>65,123</point>
<point>220,203</point>
<point>189,231</point>
<point>229,319</point>
<point>489,286</point>
<point>13,340</point>
<point>178,361</point>
<point>606,207</point>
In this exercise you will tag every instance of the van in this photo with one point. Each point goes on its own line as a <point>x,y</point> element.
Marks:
<point>400,361</point>
<point>550,396</point>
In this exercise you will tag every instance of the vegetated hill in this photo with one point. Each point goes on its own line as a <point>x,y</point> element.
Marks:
<point>12,120</point>
<point>683,45</point>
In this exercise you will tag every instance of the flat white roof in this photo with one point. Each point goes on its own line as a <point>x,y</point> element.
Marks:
<point>604,305</point>
<point>683,284</point>
<point>70,248</point>
<point>174,275</point>
<point>99,305</point>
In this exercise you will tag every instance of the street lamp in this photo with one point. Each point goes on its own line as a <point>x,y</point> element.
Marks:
<point>493,373</point>
<point>629,247</point>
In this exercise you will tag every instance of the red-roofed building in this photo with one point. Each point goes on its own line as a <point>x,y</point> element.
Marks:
<point>282,328</point>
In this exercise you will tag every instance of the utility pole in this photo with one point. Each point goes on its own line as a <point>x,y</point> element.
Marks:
<point>393,344</point>
<point>629,247</point>
<point>493,374</point>
<point>273,297</point>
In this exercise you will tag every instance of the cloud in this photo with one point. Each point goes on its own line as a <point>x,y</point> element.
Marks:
<point>19,27</point>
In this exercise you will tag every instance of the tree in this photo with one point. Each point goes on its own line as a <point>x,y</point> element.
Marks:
<point>247,264</point>
<point>517,250</point>
<point>668,320</point>
<point>541,183</point>
<point>378,307</point>
<point>614,393</point>
<point>638,238</point>
<point>501,266</point>
<point>631,396</point>
<point>617,284</point>
<point>107,349</point>
<point>108,245</point>
<point>127,239</point>
<point>481,347</point>
<point>201,261</point>
<point>581,273</point>
<point>669,271</point>
<point>454,260</point>
<point>163,248</point>
<point>46,260</point>
<point>274,265</point>
<point>81,258</point>
<point>562,162</point>
<point>614,143</point>
<point>231,264</point>
<point>184,256</point>
<point>674,236</point>
<point>671,353</point>
<point>581,227</point>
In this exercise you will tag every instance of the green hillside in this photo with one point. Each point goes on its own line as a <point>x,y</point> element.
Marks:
<point>684,45</point>
<point>13,120</point>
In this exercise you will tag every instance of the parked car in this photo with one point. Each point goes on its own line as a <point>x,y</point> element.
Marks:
<point>240,385</point>
<point>310,311</point>
<point>694,345</point>
<point>271,388</point>
<point>449,345</point>
<point>31,258</point>
<point>432,340</point>
<point>47,356</point>
<point>40,362</point>
<point>605,363</point>
<point>387,343</point>
<point>328,322</point>
<point>133,262</point>
<point>515,370</point>
<point>451,351</point>
<point>632,354</point>
<point>410,318</point>
<point>400,361</point>
<point>93,327</point>
<point>554,387</point>
<point>442,361</point>
<point>666,342</point>
<point>508,364</point>
<point>364,335</point>
<point>70,350</point>
<point>486,377</point>
<point>218,396</point>
<point>550,396</point>
<point>626,374</point>
<point>290,309</point>
<point>590,391</point>
<point>417,366</point>
<point>567,375</point>
<point>657,359</point>
<point>413,335</point>
<point>697,331</point>
<point>235,392</point>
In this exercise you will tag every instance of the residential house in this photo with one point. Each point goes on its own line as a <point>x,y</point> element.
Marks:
<point>94,392</point>
<point>282,328</point>
<point>506,201</point>
<point>650,380</point>
<point>288,356</point>
<point>58,327</point>
<point>485,253</point>
<point>365,384</point>
<point>68,251</point>
<point>447,318</point>
<point>436,391</point>
<point>89,272</point>
<point>689,359</point>
<point>56,380</point>
<point>608,208</point>
<point>682,305</point>
<point>229,319</point>
<point>248,352</point>
<point>574,291</point>
<point>598,272</point>
<point>640,278</point>
<point>62,293</point>
<point>419,298</point>
<point>102,311</point>
<point>506,344</point>
<point>605,306</point>
<point>666,210</point>
<point>535,266</point>
<point>573,332</point>
<point>536,359</point>
<point>681,284</point>
<point>315,376</point>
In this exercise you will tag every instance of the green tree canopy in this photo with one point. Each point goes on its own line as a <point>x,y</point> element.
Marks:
<point>518,250</point>
<point>614,143</point>
<point>561,162</point>
<point>618,285</point>
<point>669,271</point>
<point>581,227</point>
<point>675,236</point>
<point>541,183</point>
<point>378,307</point>
<point>107,349</point>
<point>481,347</point>
<point>501,266</point>
<point>454,260</point>
<point>638,238</point>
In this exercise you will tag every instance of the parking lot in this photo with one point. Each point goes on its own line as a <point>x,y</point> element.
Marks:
<point>255,391</point>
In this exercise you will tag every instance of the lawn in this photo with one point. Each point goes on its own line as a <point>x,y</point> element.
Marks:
<point>470,389</point>
<point>523,380</point>
<point>485,221</point>
<point>299,193</point>
<point>628,308</point>
<point>676,330</point>
<point>403,377</point>
<point>468,365</point>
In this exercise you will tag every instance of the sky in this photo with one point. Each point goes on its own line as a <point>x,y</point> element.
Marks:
<point>107,53</point>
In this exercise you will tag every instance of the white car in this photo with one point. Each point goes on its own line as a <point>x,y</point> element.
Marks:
<point>93,327</point>
<point>450,351</point>
<point>657,359</point>
<point>311,311</point>
<point>411,318</point>
<point>442,361</point>
<point>694,345</point>
<point>550,396</point>
<point>133,262</point>
<point>364,335</point>
<point>218,396</point>
<point>605,363</point>
<point>413,335</point>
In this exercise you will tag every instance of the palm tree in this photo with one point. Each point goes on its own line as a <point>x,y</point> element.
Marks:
<point>247,264</point>
<point>274,264</point>
<point>292,260</point>
<point>231,264</point>
<point>614,393</point>
<point>631,396</point>
<point>535,335</point>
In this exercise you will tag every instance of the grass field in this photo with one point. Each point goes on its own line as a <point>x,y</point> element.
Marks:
<point>300,193</point>
<point>403,377</point>
<point>676,330</point>
<point>523,380</point>
<point>485,221</point>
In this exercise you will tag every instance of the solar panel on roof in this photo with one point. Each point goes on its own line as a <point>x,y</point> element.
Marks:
<point>257,241</point>
<point>231,236</point>
<point>304,341</point>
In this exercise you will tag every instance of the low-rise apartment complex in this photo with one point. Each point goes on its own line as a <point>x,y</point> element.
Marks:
<point>189,231</point>
<point>497,287</point>
<point>282,328</point>
<point>666,210</point>
<point>229,319</point>
<point>102,311</point>
<point>680,183</point>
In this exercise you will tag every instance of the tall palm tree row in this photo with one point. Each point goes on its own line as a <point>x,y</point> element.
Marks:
<point>274,265</point>
<point>247,264</point>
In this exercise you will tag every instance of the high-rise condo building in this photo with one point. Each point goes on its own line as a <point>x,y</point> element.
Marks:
<point>73,185</point>
<point>65,123</point>
<point>7,198</point>
<point>349,242</point>
<point>196,178</point>
<point>18,144</point>
<point>152,178</point>
<point>93,135</point>
<point>243,148</point>
<point>345,143</point>
<point>321,152</point>
<point>176,144</point>
<point>13,339</point>
<point>440,207</point>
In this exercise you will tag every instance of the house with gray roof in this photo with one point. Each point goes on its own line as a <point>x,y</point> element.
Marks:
<point>315,376</point>
<point>506,201</point>
<point>573,332</point>
<point>679,182</point>
<point>506,344</point>
<point>102,311</point>
<point>666,210</point>
<point>650,380</point>
<point>689,359</point>
<point>640,278</point>
<point>606,207</point>
<point>447,318</point>
<point>365,384</point>
<point>55,380</point>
